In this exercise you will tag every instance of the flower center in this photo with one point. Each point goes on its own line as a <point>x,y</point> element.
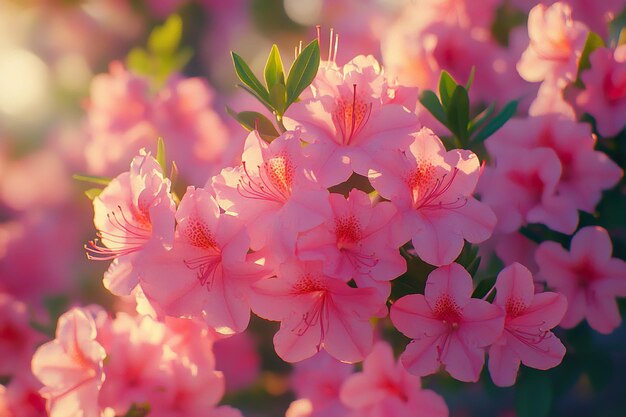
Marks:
<point>347,231</point>
<point>350,116</point>
<point>448,311</point>
<point>428,189</point>
<point>273,180</point>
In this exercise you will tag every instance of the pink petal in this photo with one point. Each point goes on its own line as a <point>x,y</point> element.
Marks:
<point>295,341</point>
<point>462,361</point>
<point>515,282</point>
<point>592,242</point>
<point>541,350</point>
<point>412,315</point>
<point>503,365</point>
<point>421,356</point>
<point>482,323</point>
<point>546,311</point>
<point>452,280</point>
<point>436,242</point>
<point>602,312</point>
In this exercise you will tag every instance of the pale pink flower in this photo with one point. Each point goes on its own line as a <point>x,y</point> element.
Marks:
<point>585,172</point>
<point>209,259</point>
<point>317,311</point>
<point>70,367</point>
<point>529,317</point>
<point>433,190</point>
<point>317,382</point>
<point>448,327</point>
<point>605,90</point>
<point>21,398</point>
<point>522,189</point>
<point>349,121</point>
<point>17,338</point>
<point>556,43</point>
<point>273,192</point>
<point>357,242</point>
<point>134,210</point>
<point>587,276</point>
<point>385,388</point>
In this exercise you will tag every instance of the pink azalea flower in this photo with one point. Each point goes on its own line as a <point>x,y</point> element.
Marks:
<point>317,382</point>
<point>433,190</point>
<point>449,327</point>
<point>356,242</point>
<point>529,317</point>
<point>385,388</point>
<point>17,338</point>
<point>317,311</point>
<point>585,172</point>
<point>21,398</point>
<point>136,209</point>
<point>70,367</point>
<point>209,260</point>
<point>273,193</point>
<point>522,189</point>
<point>349,121</point>
<point>605,90</point>
<point>556,43</point>
<point>238,358</point>
<point>587,276</point>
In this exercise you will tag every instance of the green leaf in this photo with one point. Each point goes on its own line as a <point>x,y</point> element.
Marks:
<point>481,119</point>
<point>251,120</point>
<point>139,62</point>
<point>533,395</point>
<point>621,40</point>
<point>274,72</point>
<point>160,156</point>
<point>593,42</point>
<point>470,80</point>
<point>430,100</point>
<point>249,79</point>
<point>303,71</point>
<point>458,113</point>
<point>497,122</point>
<point>92,179</point>
<point>447,85</point>
<point>278,97</point>
<point>164,40</point>
<point>138,410</point>
<point>484,286</point>
<point>93,193</point>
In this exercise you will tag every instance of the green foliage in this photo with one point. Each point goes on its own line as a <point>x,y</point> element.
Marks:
<point>160,156</point>
<point>452,109</point>
<point>277,94</point>
<point>533,394</point>
<point>164,55</point>
<point>92,179</point>
<point>138,410</point>
<point>593,42</point>
<point>93,193</point>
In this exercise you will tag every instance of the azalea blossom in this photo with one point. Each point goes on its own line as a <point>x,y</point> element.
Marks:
<point>448,327</point>
<point>70,367</point>
<point>385,388</point>
<point>358,242</point>
<point>209,261</point>
<point>433,190</point>
<point>317,312</point>
<point>273,192</point>
<point>588,276</point>
<point>529,317</point>
<point>134,210</point>
<point>349,121</point>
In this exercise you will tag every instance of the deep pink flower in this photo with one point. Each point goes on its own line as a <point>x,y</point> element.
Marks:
<point>317,311</point>
<point>238,358</point>
<point>605,90</point>
<point>529,317</point>
<point>556,43</point>
<point>449,327</point>
<point>587,276</point>
<point>21,398</point>
<point>433,190</point>
<point>349,121</point>
<point>522,189</point>
<point>209,261</point>
<point>357,242</point>
<point>585,172</point>
<point>317,382</point>
<point>273,193</point>
<point>70,367</point>
<point>134,210</point>
<point>385,388</point>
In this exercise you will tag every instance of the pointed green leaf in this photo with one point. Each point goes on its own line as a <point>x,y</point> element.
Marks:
<point>303,71</point>
<point>480,120</point>
<point>484,286</point>
<point>274,72</point>
<point>593,42</point>
<point>430,100</point>
<point>278,97</point>
<point>92,179</point>
<point>446,87</point>
<point>139,62</point>
<point>247,77</point>
<point>497,122</point>
<point>164,40</point>
<point>93,193</point>
<point>160,156</point>
<point>252,120</point>
<point>457,113</point>
<point>470,80</point>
